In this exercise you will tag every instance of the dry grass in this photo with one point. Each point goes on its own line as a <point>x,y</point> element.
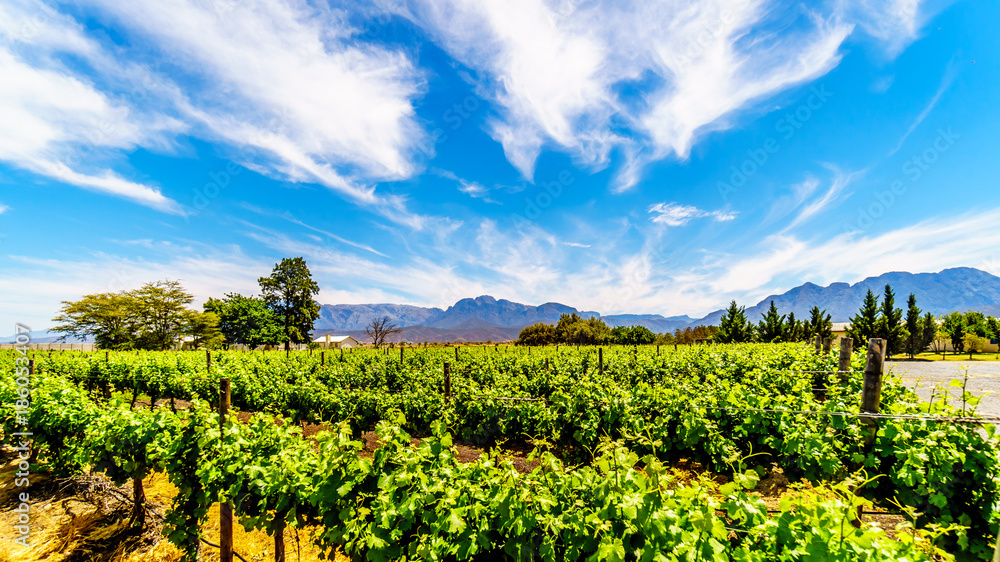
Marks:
<point>86,520</point>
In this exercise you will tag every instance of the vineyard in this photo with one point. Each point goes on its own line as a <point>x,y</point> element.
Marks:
<point>604,425</point>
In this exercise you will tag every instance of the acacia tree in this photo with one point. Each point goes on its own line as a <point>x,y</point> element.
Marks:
<point>151,317</point>
<point>289,293</point>
<point>381,328</point>
<point>112,319</point>
<point>734,326</point>
<point>165,313</point>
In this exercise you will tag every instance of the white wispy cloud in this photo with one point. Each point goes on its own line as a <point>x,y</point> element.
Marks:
<point>58,124</point>
<point>946,80</point>
<point>576,244</point>
<point>3,208</point>
<point>557,70</point>
<point>676,214</point>
<point>287,88</point>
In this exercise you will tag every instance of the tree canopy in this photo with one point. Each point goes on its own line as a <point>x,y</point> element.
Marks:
<point>246,320</point>
<point>289,291</point>
<point>734,326</point>
<point>153,317</point>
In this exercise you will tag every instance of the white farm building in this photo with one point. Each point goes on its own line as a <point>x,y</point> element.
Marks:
<point>336,342</point>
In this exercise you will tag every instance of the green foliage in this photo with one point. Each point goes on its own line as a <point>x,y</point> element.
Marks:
<point>246,320</point>
<point>152,317</point>
<point>734,326</point>
<point>953,326</point>
<point>974,343</point>
<point>914,332</point>
<point>538,334</point>
<point>620,430</point>
<point>865,324</point>
<point>771,328</point>
<point>889,326</point>
<point>819,324</point>
<point>573,329</point>
<point>928,330</point>
<point>632,335</point>
<point>289,293</point>
<point>203,327</point>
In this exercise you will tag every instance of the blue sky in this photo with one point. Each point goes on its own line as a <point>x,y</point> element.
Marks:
<point>613,156</point>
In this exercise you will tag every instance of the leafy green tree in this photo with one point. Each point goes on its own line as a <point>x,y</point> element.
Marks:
<point>864,324</point>
<point>112,319</point>
<point>974,343</point>
<point>246,320</point>
<point>994,326</point>
<point>204,328</point>
<point>928,330</point>
<point>953,327</point>
<point>289,293</point>
<point>537,334</point>
<point>794,329</point>
<point>665,338</point>
<point>151,317</point>
<point>571,328</point>
<point>914,332</point>
<point>632,335</point>
<point>734,326</point>
<point>165,316</point>
<point>975,322</point>
<point>819,324</point>
<point>771,329</point>
<point>890,327</point>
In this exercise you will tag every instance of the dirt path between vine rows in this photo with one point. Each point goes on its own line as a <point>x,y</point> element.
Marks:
<point>924,376</point>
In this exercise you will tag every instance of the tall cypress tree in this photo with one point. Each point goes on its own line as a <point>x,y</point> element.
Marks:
<point>890,327</point>
<point>819,324</point>
<point>864,324</point>
<point>772,327</point>
<point>914,332</point>
<point>733,326</point>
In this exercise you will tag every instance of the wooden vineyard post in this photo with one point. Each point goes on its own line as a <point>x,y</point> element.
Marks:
<point>657,350</point>
<point>845,358</point>
<point>31,367</point>
<point>600,361</point>
<point>456,354</point>
<point>225,509</point>
<point>288,352</point>
<point>546,363</point>
<point>447,381</point>
<point>341,355</point>
<point>827,345</point>
<point>322,358</point>
<point>871,396</point>
<point>819,343</point>
<point>401,355</point>
<point>675,347</point>
<point>106,355</point>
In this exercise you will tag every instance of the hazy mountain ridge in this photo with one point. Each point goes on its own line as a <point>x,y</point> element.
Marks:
<point>486,318</point>
<point>469,319</point>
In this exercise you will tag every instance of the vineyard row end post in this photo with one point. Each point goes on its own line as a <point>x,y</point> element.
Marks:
<point>846,345</point>
<point>225,508</point>
<point>447,381</point>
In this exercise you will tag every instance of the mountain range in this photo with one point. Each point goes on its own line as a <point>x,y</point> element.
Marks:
<point>485,318</point>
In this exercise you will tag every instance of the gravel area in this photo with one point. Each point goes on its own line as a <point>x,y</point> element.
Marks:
<point>984,380</point>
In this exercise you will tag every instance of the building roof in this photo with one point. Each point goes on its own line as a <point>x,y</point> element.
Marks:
<point>333,339</point>
<point>840,326</point>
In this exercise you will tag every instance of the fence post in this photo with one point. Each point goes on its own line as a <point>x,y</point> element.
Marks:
<point>322,358</point>
<point>600,360</point>
<point>447,381</point>
<point>845,358</point>
<point>827,345</point>
<point>225,509</point>
<point>872,393</point>
<point>819,343</point>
